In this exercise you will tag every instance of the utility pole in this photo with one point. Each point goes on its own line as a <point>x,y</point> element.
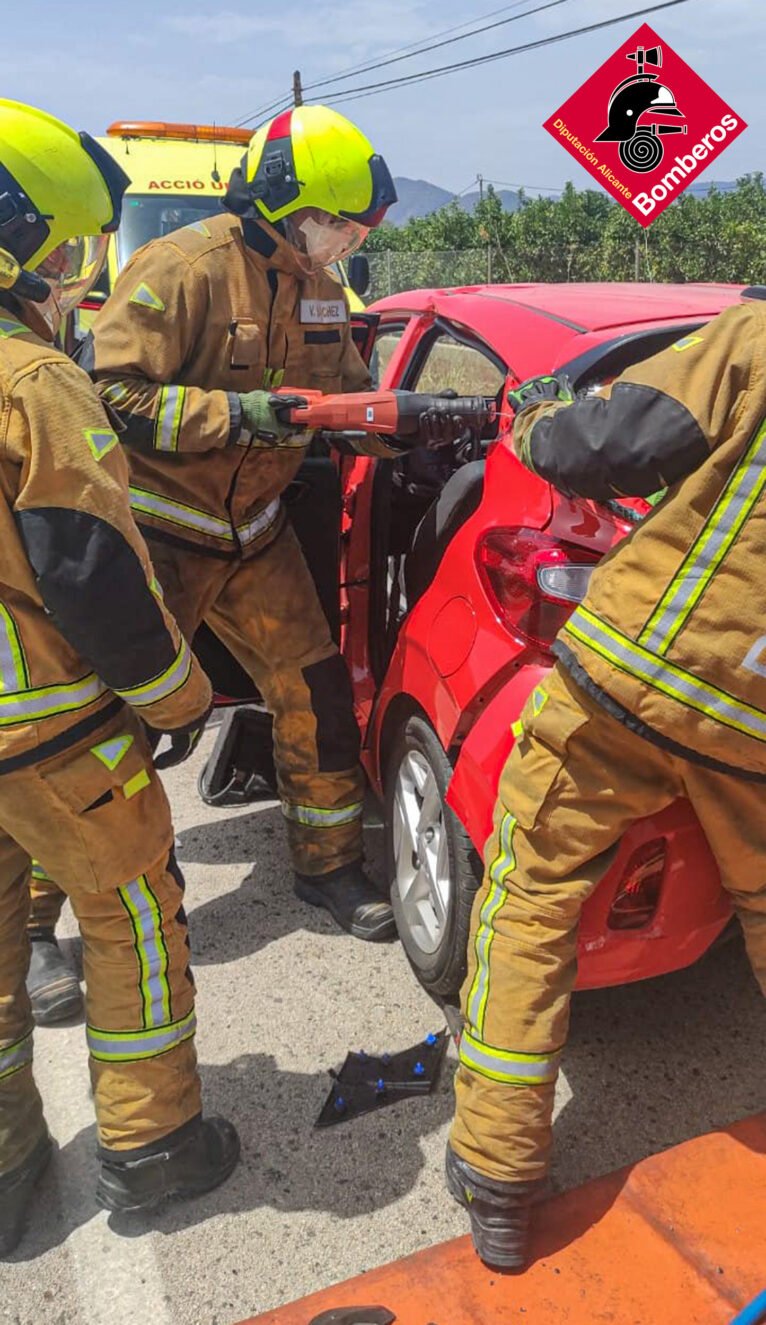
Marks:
<point>480,182</point>
<point>297,89</point>
<point>637,261</point>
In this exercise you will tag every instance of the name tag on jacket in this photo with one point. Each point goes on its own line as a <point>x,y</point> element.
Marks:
<point>323,310</point>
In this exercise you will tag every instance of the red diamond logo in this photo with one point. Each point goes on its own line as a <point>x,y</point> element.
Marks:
<point>645,125</point>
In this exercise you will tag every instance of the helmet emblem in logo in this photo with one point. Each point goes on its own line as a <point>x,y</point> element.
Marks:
<point>642,93</point>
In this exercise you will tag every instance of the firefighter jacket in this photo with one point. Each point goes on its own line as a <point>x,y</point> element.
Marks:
<point>671,636</point>
<point>82,625</point>
<point>197,318</point>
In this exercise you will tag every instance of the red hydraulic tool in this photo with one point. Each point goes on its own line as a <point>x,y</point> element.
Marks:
<point>390,413</point>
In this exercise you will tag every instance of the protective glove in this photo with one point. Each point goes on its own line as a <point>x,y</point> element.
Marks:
<point>499,1212</point>
<point>439,426</point>
<point>538,389</point>
<point>182,745</point>
<point>260,417</point>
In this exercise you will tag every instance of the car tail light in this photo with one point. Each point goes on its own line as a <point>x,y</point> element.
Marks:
<point>533,581</point>
<point>638,893</point>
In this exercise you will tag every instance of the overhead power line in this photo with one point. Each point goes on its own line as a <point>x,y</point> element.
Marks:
<point>372,89</point>
<point>408,53</point>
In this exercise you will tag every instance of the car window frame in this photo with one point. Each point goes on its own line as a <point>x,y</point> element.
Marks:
<point>441,327</point>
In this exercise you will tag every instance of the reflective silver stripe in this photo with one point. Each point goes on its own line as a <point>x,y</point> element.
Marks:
<point>259,523</point>
<point>115,392</point>
<point>666,677</point>
<point>744,487</point>
<point>503,864</point>
<point>168,422</point>
<point>148,503</point>
<point>312,817</point>
<point>29,705</point>
<point>127,1046</point>
<point>146,918</point>
<point>161,686</point>
<point>509,1069</point>
<point>16,1056</point>
<point>13,668</point>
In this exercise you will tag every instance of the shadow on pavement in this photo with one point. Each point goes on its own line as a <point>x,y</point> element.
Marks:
<point>234,840</point>
<point>241,922</point>
<point>287,1165</point>
<point>653,1064</point>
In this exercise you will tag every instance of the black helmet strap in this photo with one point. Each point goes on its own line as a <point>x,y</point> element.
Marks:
<point>23,229</point>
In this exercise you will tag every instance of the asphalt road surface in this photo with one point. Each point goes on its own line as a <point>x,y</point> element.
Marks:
<point>283,997</point>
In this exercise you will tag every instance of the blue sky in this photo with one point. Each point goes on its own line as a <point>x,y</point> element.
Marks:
<point>185,60</point>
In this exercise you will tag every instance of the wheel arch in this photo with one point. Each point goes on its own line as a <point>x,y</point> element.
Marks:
<point>400,710</point>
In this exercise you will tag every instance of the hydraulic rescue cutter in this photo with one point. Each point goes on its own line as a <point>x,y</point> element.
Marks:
<point>389,413</point>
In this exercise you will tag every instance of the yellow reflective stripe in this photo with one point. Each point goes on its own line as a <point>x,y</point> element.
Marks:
<point>735,504</point>
<point>14,674</point>
<point>151,952</point>
<point>100,441</point>
<point>39,873</point>
<point>163,685</point>
<point>686,343</point>
<point>133,1046</point>
<point>517,729</point>
<point>664,676</point>
<point>112,752</point>
<point>178,513</point>
<point>144,502</point>
<point>135,784</point>
<point>503,864</point>
<point>15,1056</point>
<point>167,424</point>
<point>115,392</point>
<point>505,1066</point>
<point>314,817</point>
<point>10,327</point>
<point>539,699</point>
<point>50,701</point>
<point>145,297</point>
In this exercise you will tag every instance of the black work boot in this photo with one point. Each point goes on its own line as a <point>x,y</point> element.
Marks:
<point>16,1189</point>
<point>52,985</point>
<point>499,1212</point>
<point>352,900</point>
<point>189,1162</point>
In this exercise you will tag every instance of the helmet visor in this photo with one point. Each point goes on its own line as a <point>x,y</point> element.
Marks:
<point>72,269</point>
<point>323,238</point>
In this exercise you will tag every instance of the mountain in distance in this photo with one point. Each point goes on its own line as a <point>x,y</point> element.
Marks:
<point>702,189</point>
<point>418,197</point>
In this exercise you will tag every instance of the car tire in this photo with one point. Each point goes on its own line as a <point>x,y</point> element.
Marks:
<point>432,865</point>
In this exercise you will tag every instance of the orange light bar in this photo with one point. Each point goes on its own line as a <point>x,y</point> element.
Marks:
<point>202,133</point>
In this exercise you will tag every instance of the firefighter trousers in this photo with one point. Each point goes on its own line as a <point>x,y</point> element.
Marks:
<point>266,611</point>
<point>575,781</point>
<point>97,819</point>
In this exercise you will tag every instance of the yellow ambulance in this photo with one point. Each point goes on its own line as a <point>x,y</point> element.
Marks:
<point>179,174</point>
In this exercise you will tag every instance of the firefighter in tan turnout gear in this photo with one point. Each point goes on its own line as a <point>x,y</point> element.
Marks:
<point>88,655</point>
<point>659,692</point>
<point>202,324</point>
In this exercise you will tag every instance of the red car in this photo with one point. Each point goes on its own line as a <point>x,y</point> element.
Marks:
<point>455,573</point>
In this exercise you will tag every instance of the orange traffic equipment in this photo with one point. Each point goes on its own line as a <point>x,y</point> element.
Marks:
<point>202,133</point>
<point>674,1240</point>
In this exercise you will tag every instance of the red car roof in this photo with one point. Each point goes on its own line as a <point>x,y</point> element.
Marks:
<point>536,326</point>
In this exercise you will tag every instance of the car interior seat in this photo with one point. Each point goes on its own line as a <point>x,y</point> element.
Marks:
<point>457,501</point>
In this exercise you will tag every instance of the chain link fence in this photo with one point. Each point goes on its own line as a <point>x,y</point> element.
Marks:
<point>392,272</point>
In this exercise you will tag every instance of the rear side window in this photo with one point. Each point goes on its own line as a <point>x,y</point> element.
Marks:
<point>450,364</point>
